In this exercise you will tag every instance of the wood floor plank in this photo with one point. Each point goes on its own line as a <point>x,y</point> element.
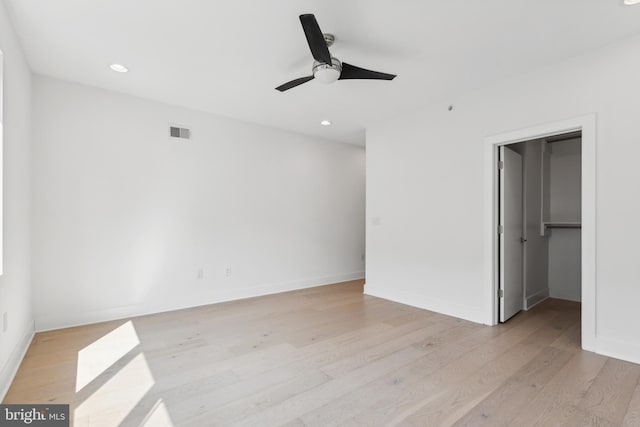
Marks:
<point>386,388</point>
<point>188,406</point>
<point>632,416</point>
<point>257,402</point>
<point>566,389</point>
<point>326,352</point>
<point>570,339</point>
<point>503,404</point>
<point>304,402</point>
<point>359,359</point>
<point>458,394</point>
<point>313,327</point>
<point>294,423</point>
<point>611,392</point>
<point>571,416</point>
<point>412,316</point>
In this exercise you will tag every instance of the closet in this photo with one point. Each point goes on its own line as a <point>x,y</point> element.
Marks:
<point>551,218</point>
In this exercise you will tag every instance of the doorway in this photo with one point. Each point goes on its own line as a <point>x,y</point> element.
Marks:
<point>539,222</point>
<point>586,126</point>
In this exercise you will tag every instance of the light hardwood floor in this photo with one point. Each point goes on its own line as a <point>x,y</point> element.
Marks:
<point>329,356</point>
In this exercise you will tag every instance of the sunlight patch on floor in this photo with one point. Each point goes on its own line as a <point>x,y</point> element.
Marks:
<point>158,416</point>
<point>98,356</point>
<point>112,402</point>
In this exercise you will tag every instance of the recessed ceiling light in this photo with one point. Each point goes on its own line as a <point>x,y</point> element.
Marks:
<point>630,2</point>
<point>327,122</point>
<point>119,68</point>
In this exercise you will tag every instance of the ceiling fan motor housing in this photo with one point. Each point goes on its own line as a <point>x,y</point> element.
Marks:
<point>327,73</point>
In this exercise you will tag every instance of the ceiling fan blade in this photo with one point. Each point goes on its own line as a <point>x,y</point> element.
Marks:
<point>294,83</point>
<point>352,72</point>
<point>315,38</point>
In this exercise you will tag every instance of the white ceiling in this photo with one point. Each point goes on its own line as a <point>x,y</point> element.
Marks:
<point>226,57</point>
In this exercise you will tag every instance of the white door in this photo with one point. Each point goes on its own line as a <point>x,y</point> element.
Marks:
<point>511,260</point>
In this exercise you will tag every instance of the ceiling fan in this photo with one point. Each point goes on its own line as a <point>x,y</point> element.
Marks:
<point>326,68</point>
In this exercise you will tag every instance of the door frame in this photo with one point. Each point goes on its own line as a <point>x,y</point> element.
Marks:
<point>587,125</point>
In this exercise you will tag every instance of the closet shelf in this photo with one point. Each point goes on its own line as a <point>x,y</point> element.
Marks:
<point>562,224</point>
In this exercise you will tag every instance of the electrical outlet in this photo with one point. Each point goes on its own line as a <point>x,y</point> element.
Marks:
<point>200,274</point>
<point>5,321</point>
<point>227,272</point>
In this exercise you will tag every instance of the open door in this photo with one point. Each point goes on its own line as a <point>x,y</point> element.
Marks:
<point>511,241</point>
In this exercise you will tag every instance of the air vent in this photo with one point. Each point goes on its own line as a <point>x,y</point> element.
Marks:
<point>179,132</point>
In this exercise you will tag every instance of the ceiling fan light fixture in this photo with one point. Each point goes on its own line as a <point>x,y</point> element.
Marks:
<point>327,73</point>
<point>631,2</point>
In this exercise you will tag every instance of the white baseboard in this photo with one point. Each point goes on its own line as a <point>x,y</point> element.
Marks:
<point>535,299</point>
<point>565,297</point>
<point>66,320</point>
<point>472,314</point>
<point>618,349</point>
<point>10,369</point>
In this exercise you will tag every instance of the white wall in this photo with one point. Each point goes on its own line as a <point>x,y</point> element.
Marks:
<point>425,189</point>
<point>564,205</point>
<point>124,218</point>
<point>15,288</point>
